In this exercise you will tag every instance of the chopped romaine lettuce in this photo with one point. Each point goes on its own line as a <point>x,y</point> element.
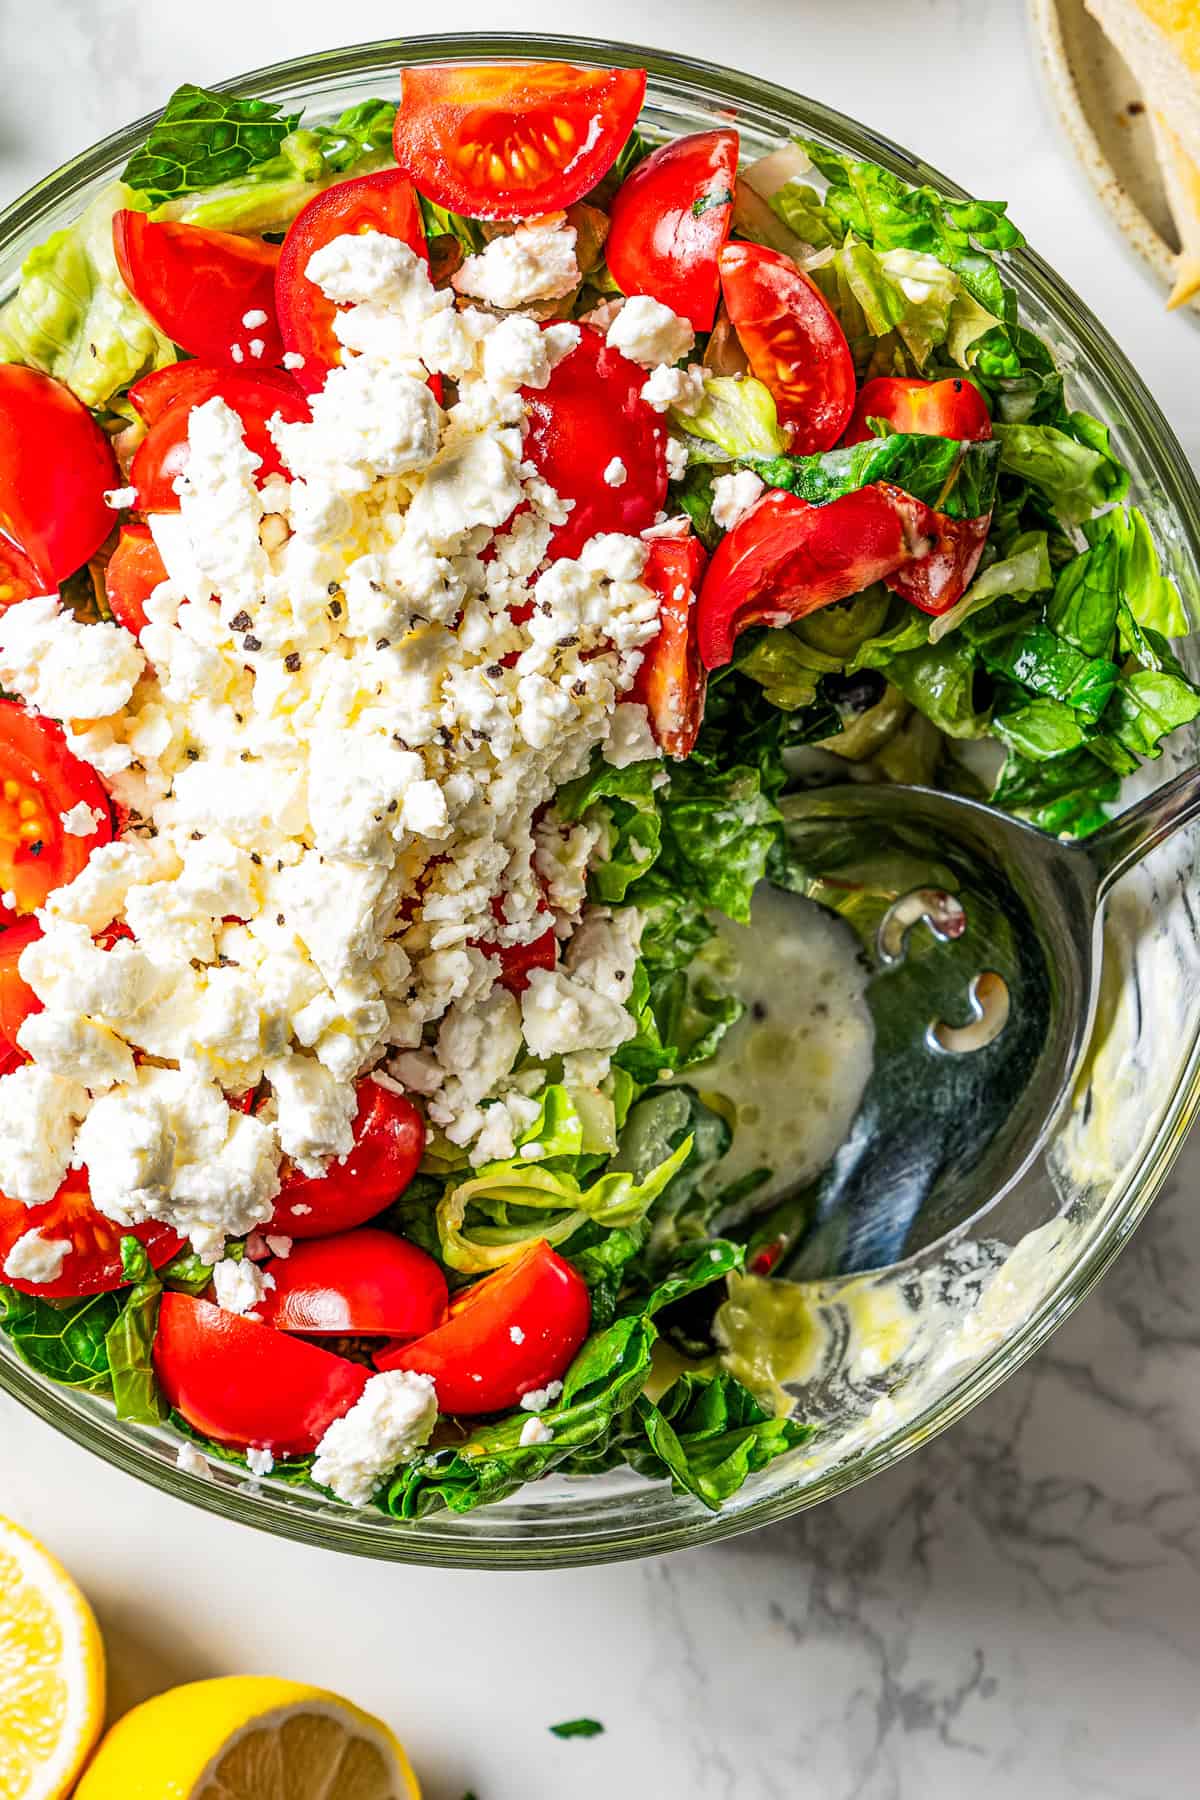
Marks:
<point>738,419</point>
<point>72,315</point>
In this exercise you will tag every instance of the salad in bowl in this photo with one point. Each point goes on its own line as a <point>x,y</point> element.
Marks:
<point>432,540</point>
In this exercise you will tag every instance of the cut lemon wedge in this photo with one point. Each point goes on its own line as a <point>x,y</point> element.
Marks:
<point>51,1672</point>
<point>249,1737</point>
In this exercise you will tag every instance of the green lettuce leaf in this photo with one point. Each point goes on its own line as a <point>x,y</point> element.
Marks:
<point>1073,467</point>
<point>940,681</point>
<point>517,1201</point>
<point>738,419</point>
<point>66,1342</point>
<point>72,315</point>
<point>129,1342</point>
<point>954,477</point>
<point>719,828</point>
<point>1042,663</point>
<point>889,214</point>
<point>1022,573</point>
<point>708,1434</point>
<point>1065,796</point>
<point>804,212</point>
<point>1146,706</point>
<point>204,139</point>
<point>629,799</point>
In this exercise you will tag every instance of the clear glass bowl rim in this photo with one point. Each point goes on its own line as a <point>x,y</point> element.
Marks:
<point>628,1538</point>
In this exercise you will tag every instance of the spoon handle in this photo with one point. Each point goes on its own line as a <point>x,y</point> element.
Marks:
<point>1122,844</point>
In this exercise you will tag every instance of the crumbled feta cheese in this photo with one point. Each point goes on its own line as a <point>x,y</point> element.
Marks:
<point>734,496</point>
<point>240,1286</point>
<point>254,318</point>
<point>39,1113</point>
<point>538,1399</point>
<point>631,739</point>
<point>278,1245</point>
<point>37,1258</point>
<point>256,347</point>
<point>62,667</point>
<point>390,1421</point>
<point>81,820</point>
<point>649,333</point>
<point>121,498</point>
<point>535,1431</point>
<point>190,1460</point>
<point>615,473</point>
<point>675,390</point>
<point>516,1334</point>
<point>677,459</point>
<point>535,262</point>
<point>259,1462</point>
<point>292,360</point>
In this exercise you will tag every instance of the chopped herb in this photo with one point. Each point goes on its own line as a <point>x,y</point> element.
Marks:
<point>578,1728</point>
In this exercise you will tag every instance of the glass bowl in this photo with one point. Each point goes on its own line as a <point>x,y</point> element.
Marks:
<point>885,1361</point>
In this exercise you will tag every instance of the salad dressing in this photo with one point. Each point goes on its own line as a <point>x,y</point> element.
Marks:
<point>790,1075</point>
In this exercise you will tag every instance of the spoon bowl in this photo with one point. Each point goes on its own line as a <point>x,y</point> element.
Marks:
<point>983,938</point>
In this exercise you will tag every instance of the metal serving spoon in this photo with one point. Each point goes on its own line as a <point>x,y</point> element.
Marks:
<point>983,936</point>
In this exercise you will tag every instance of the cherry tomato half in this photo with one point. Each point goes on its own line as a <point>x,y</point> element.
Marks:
<point>590,414</point>
<point>516,960</point>
<point>40,780</point>
<point>793,341</point>
<point>507,1336</point>
<point>952,408</point>
<point>787,558</point>
<point>385,201</point>
<point>368,1282</point>
<point>671,681</point>
<point>670,218</point>
<point>19,580</point>
<point>191,380</point>
<point>93,1263</point>
<point>938,580</point>
<point>512,140</point>
<point>134,571</point>
<point>163,452</point>
<point>55,467</point>
<point>243,1383</point>
<point>17,998</point>
<point>198,286</point>
<point>389,1141</point>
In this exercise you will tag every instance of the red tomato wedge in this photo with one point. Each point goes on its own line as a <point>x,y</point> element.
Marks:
<point>671,681</point>
<point>163,452</point>
<point>670,218</point>
<point>389,1141</point>
<point>93,1263</point>
<point>516,960</point>
<point>134,571</point>
<point>787,558</point>
<point>40,780</point>
<point>190,381</point>
<point>953,408</point>
<point>17,998</point>
<point>793,342</point>
<point>368,1282</point>
<point>512,140</point>
<point>938,580</point>
<point>55,467</point>
<point>198,286</point>
<point>19,580</point>
<point>507,1336</point>
<point>385,202</point>
<point>591,413</point>
<point>242,1383</point>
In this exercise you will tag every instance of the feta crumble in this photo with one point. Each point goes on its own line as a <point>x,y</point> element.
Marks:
<point>390,1421</point>
<point>81,820</point>
<point>538,1399</point>
<point>649,333</point>
<point>535,1431</point>
<point>734,496</point>
<point>535,262</point>
<point>37,1258</point>
<point>240,1286</point>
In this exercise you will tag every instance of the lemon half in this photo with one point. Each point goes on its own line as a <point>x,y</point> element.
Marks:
<point>249,1737</point>
<point>51,1672</point>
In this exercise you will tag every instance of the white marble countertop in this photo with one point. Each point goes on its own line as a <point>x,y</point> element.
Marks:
<point>1016,1610</point>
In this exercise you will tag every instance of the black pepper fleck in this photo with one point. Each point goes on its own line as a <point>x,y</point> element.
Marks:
<point>279,918</point>
<point>382,643</point>
<point>244,756</point>
<point>192,755</point>
<point>251,643</point>
<point>332,588</point>
<point>291,661</point>
<point>35,849</point>
<point>256,858</point>
<point>758,1011</point>
<point>572,637</point>
<point>335,607</point>
<point>241,621</point>
<point>495,670</point>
